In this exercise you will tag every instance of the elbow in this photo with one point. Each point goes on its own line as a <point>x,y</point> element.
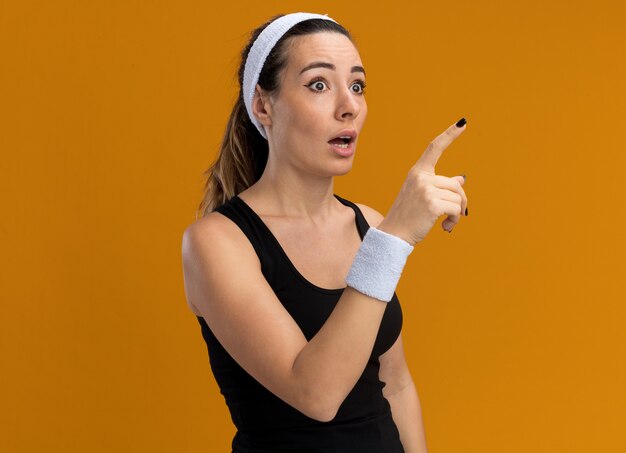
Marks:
<point>327,413</point>
<point>320,409</point>
<point>316,399</point>
<point>322,414</point>
<point>327,416</point>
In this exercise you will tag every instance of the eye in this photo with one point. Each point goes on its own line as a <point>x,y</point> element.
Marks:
<point>317,85</point>
<point>360,87</point>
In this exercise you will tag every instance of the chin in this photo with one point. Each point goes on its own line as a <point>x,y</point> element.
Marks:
<point>337,169</point>
<point>343,167</point>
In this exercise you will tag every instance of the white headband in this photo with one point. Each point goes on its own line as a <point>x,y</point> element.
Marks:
<point>259,51</point>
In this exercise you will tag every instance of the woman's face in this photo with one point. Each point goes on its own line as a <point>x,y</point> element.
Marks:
<point>320,99</point>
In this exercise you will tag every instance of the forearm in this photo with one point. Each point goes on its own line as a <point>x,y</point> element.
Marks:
<point>329,365</point>
<point>407,415</point>
<point>333,360</point>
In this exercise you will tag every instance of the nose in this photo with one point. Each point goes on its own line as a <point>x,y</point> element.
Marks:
<point>348,104</point>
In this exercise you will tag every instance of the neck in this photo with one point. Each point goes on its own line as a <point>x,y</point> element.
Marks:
<point>289,192</point>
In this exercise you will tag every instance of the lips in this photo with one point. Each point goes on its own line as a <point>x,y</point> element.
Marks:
<point>345,136</point>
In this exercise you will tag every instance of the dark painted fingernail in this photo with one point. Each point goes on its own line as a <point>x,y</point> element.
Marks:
<point>450,230</point>
<point>461,122</point>
<point>464,177</point>
<point>466,212</point>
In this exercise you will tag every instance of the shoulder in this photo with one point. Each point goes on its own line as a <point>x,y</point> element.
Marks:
<point>217,233</point>
<point>372,216</point>
<point>210,243</point>
<point>212,228</point>
<point>208,227</point>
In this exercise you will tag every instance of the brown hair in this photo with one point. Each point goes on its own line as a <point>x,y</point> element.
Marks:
<point>243,153</point>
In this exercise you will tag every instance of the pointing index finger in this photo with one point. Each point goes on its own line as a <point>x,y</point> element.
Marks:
<point>435,149</point>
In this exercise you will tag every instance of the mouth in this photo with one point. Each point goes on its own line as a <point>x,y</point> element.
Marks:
<point>344,139</point>
<point>343,143</point>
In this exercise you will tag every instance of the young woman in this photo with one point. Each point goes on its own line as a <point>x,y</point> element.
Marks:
<point>293,285</point>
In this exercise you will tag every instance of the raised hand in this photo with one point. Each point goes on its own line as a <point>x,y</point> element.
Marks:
<point>425,196</point>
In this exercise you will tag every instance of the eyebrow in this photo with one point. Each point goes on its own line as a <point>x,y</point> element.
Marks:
<point>322,64</point>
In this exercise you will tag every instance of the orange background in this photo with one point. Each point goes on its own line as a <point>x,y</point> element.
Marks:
<point>514,323</point>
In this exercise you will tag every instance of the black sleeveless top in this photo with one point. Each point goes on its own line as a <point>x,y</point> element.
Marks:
<point>264,422</point>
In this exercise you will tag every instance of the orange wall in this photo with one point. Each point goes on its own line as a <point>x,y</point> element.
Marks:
<point>514,323</point>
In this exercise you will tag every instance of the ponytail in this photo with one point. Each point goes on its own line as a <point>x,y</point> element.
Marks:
<point>243,153</point>
<point>240,162</point>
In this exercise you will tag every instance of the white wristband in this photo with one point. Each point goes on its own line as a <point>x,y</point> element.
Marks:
<point>378,264</point>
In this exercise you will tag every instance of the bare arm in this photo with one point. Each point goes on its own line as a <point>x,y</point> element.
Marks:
<point>224,284</point>
<point>402,395</point>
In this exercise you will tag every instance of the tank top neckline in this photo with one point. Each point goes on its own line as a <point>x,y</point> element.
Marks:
<point>284,254</point>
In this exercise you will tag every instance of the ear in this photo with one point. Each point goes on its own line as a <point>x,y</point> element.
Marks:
<point>262,106</point>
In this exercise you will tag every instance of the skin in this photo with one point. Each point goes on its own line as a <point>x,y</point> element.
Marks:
<point>301,118</point>
<point>294,197</point>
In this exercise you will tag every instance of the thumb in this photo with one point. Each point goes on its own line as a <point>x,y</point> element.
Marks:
<point>461,178</point>
<point>450,221</point>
